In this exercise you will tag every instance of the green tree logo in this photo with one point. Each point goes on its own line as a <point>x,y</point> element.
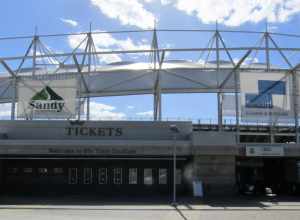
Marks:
<point>46,94</point>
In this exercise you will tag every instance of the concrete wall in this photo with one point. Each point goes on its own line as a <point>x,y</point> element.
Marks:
<point>207,138</point>
<point>217,174</point>
<point>93,147</point>
<point>93,130</point>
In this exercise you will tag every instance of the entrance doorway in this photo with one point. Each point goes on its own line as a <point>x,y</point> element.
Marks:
<point>272,176</point>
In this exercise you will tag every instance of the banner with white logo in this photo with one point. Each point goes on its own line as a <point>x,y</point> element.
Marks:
<point>263,97</point>
<point>266,96</point>
<point>47,99</point>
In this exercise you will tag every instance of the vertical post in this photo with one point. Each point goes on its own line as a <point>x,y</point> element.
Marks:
<point>220,113</point>
<point>219,97</point>
<point>89,70</point>
<point>237,113</point>
<point>13,103</point>
<point>295,100</point>
<point>174,169</point>
<point>174,129</point>
<point>267,55</point>
<point>79,96</point>
<point>267,48</point>
<point>88,108</point>
<point>34,55</point>
<point>157,93</point>
<point>79,105</point>
<point>35,40</point>
<point>159,103</point>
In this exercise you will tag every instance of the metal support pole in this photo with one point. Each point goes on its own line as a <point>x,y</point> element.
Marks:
<point>79,97</point>
<point>35,39</point>
<point>157,93</point>
<point>237,114</point>
<point>267,50</point>
<point>161,61</point>
<point>13,103</point>
<point>219,99</point>
<point>174,202</point>
<point>174,129</point>
<point>79,108</point>
<point>159,110</point>
<point>88,108</point>
<point>295,100</point>
<point>220,113</point>
<point>89,70</point>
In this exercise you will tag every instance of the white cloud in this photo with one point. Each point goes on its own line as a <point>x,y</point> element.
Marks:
<point>71,22</point>
<point>165,2</point>
<point>98,111</point>
<point>130,107</point>
<point>106,41</point>
<point>247,61</point>
<point>128,12</point>
<point>145,114</point>
<point>237,12</point>
<point>102,111</point>
<point>45,60</point>
<point>5,110</point>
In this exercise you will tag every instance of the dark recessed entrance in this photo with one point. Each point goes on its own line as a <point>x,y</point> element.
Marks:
<point>103,176</point>
<point>262,175</point>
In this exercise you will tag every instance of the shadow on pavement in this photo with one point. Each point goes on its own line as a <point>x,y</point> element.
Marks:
<point>140,203</point>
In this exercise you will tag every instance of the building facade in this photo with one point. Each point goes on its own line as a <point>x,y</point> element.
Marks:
<point>136,158</point>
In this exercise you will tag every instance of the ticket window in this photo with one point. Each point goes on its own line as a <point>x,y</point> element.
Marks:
<point>87,176</point>
<point>162,176</point>
<point>73,176</point>
<point>148,177</point>
<point>58,171</point>
<point>12,171</point>
<point>43,171</point>
<point>28,170</point>
<point>102,176</point>
<point>117,176</point>
<point>132,176</point>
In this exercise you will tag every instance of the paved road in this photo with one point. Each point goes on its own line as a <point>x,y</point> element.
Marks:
<point>231,209</point>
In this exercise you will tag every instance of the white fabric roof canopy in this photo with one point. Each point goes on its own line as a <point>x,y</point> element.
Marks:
<point>132,79</point>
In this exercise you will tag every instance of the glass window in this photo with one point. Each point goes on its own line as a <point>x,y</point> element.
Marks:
<point>162,176</point>
<point>178,176</point>
<point>148,178</point>
<point>27,170</point>
<point>102,175</point>
<point>117,175</point>
<point>43,170</point>
<point>58,170</point>
<point>12,170</point>
<point>132,176</point>
<point>73,179</point>
<point>87,175</point>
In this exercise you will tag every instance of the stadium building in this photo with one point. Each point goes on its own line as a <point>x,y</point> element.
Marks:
<point>50,144</point>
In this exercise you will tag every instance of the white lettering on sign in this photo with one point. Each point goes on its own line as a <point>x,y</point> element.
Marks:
<point>267,151</point>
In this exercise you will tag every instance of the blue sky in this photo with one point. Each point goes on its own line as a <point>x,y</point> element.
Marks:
<point>20,18</point>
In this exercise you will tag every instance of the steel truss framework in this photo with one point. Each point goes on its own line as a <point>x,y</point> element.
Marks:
<point>85,60</point>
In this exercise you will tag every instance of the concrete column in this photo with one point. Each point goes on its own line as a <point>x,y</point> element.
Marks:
<point>217,174</point>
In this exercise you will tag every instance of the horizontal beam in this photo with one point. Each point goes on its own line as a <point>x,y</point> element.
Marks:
<point>147,30</point>
<point>149,51</point>
<point>140,92</point>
